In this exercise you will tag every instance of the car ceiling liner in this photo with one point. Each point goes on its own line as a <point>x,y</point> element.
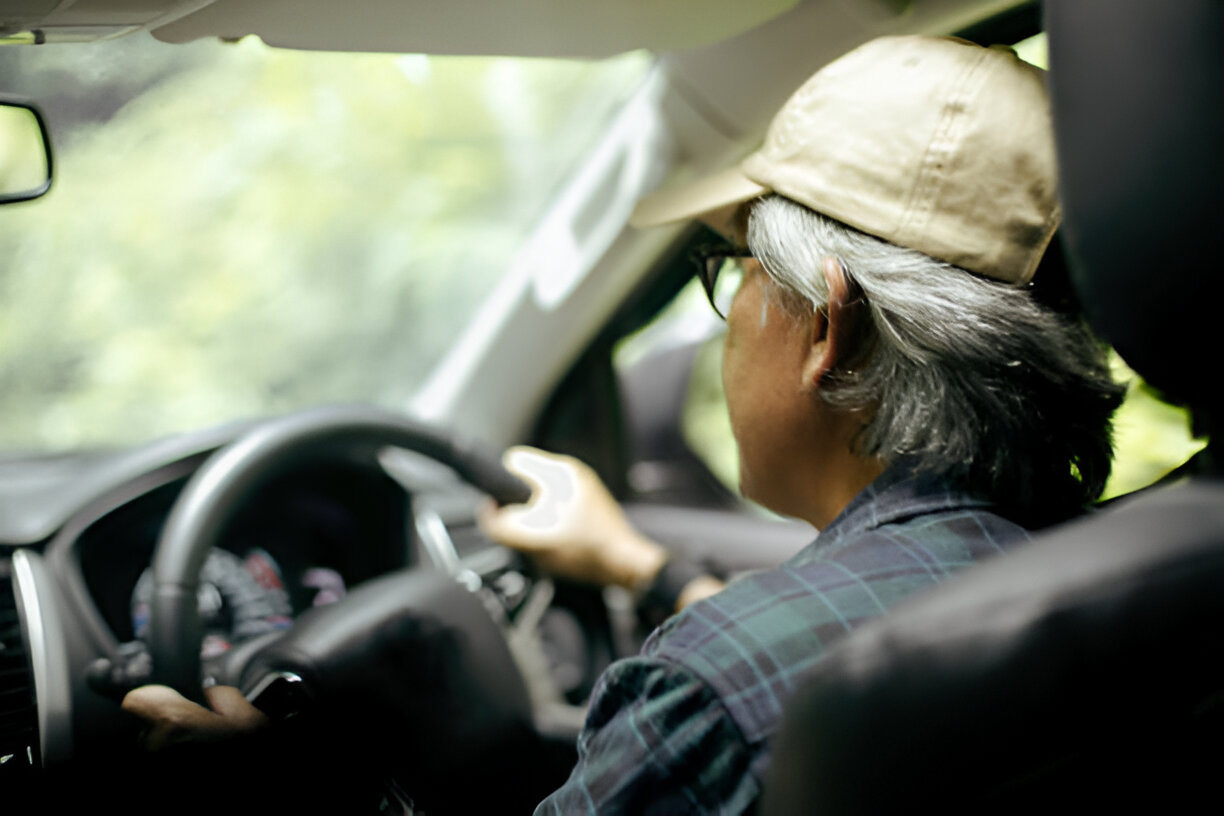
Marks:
<point>544,28</point>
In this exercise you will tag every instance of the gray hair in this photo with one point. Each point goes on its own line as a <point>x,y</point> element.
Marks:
<point>965,375</point>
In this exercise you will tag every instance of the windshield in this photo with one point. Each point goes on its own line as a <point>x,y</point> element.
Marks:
<point>237,230</point>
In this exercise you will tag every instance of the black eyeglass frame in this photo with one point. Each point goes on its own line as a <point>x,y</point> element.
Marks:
<point>709,260</point>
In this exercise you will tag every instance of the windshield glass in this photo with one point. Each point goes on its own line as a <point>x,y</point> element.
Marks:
<point>236,230</point>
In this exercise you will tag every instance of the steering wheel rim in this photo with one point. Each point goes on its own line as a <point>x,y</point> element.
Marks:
<point>219,488</point>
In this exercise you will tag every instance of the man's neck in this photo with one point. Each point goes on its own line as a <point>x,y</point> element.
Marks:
<point>841,483</point>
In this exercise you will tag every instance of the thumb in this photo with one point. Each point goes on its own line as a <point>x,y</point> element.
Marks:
<point>511,526</point>
<point>551,476</point>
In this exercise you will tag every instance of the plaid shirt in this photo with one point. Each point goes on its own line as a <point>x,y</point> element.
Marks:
<point>685,727</point>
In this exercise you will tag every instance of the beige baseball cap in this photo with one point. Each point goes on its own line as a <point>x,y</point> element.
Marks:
<point>931,143</point>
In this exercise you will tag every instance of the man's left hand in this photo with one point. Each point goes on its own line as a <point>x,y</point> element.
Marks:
<point>173,719</point>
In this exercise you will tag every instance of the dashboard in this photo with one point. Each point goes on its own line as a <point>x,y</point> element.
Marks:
<point>300,543</point>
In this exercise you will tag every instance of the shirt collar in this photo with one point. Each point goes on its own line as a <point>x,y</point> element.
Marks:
<point>901,492</point>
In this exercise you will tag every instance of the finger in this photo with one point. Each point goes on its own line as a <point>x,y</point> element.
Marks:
<point>509,526</point>
<point>552,476</point>
<point>491,519</point>
<point>521,461</point>
<point>172,718</point>
<point>237,711</point>
<point>148,702</point>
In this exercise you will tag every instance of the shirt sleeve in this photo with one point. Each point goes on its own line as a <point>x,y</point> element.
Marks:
<point>657,740</point>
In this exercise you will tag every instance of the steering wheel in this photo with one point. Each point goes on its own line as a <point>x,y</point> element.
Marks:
<point>219,489</point>
<point>411,674</point>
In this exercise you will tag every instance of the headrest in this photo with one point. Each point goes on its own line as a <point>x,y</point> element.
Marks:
<point>1136,89</point>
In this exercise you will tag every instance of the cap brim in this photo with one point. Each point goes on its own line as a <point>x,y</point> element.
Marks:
<point>696,199</point>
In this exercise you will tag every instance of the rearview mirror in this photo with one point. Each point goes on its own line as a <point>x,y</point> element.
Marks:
<point>25,152</point>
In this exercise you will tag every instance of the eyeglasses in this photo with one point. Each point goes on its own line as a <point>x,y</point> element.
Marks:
<point>721,270</point>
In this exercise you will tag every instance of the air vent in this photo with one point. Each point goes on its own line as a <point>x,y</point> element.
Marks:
<point>18,717</point>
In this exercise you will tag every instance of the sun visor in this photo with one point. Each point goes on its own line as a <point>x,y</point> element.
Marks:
<point>544,28</point>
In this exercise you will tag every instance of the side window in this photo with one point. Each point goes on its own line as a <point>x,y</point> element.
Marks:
<point>1151,437</point>
<point>705,423</point>
<point>682,450</point>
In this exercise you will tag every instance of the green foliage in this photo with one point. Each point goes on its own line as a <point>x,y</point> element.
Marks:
<point>1151,437</point>
<point>236,230</point>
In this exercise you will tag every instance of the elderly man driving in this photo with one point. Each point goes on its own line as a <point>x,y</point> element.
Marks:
<point>902,371</point>
<point>899,372</point>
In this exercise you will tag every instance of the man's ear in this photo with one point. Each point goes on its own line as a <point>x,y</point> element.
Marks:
<point>836,331</point>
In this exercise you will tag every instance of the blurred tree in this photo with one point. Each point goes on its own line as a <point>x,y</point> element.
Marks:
<point>237,230</point>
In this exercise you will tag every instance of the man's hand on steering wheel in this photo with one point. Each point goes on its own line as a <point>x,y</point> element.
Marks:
<point>173,719</point>
<point>571,526</point>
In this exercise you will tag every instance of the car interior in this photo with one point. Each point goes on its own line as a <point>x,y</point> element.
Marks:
<point>307,531</point>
